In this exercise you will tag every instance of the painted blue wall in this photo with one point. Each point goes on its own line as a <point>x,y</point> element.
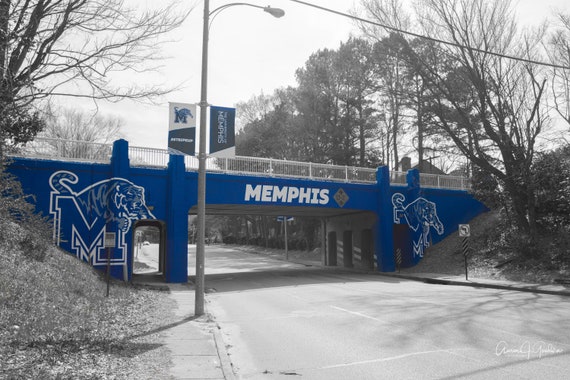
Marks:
<point>425,216</point>
<point>85,200</point>
<point>271,191</point>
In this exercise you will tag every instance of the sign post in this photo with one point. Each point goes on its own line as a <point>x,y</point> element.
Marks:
<point>465,233</point>
<point>286,238</point>
<point>285,220</point>
<point>398,258</point>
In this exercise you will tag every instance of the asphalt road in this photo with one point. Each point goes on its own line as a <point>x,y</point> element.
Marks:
<point>283,320</point>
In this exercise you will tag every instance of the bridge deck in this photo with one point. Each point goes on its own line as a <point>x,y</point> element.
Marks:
<point>152,157</point>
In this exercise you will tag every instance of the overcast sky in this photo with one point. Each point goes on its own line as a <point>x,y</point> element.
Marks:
<point>251,52</point>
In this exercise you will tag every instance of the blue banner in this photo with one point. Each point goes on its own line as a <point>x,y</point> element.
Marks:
<point>182,129</point>
<point>222,131</point>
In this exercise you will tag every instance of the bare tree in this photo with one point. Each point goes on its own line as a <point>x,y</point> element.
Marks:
<point>497,128</point>
<point>76,125</point>
<point>387,12</point>
<point>490,105</point>
<point>73,133</point>
<point>49,44</point>
<point>257,107</point>
<point>392,71</point>
<point>75,48</point>
<point>559,51</point>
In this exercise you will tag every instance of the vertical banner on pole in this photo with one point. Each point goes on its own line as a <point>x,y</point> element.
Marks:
<point>182,128</point>
<point>222,131</point>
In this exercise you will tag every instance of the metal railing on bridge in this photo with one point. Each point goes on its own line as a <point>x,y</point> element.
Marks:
<point>67,150</point>
<point>257,166</point>
<point>433,180</point>
<point>83,151</point>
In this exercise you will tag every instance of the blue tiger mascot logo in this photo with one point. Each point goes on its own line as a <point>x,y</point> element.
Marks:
<point>420,215</point>
<point>82,216</point>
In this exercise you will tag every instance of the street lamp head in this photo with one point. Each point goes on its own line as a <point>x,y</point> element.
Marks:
<point>275,12</point>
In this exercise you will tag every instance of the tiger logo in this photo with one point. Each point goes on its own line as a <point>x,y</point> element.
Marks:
<point>420,213</point>
<point>85,214</point>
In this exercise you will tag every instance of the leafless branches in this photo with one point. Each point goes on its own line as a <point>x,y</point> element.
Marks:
<point>80,48</point>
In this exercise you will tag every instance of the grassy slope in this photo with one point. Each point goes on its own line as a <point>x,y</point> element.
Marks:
<point>55,321</point>
<point>495,255</point>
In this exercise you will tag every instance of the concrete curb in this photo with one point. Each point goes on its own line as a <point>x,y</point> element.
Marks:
<point>428,279</point>
<point>225,361</point>
<point>528,288</point>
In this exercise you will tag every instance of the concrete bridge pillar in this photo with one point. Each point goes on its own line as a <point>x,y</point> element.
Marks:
<point>384,249</point>
<point>120,159</point>
<point>120,168</point>
<point>176,263</point>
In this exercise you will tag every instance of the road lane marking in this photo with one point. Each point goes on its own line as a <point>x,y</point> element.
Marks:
<point>397,357</point>
<point>357,314</point>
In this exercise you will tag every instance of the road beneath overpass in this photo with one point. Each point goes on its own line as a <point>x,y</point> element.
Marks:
<point>285,320</point>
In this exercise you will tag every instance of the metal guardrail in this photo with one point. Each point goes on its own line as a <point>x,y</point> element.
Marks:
<point>292,169</point>
<point>398,178</point>
<point>433,180</point>
<point>151,157</point>
<point>444,181</point>
<point>83,151</point>
<point>68,150</point>
<point>148,157</point>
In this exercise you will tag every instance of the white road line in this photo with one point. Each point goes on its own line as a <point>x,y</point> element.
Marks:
<point>358,314</point>
<point>383,359</point>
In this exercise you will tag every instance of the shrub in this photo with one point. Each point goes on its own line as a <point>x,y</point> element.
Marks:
<point>487,189</point>
<point>552,182</point>
<point>20,227</point>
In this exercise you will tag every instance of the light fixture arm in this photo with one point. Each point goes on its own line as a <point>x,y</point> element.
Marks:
<point>275,12</point>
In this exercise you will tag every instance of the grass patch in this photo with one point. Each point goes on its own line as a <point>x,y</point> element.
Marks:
<point>498,252</point>
<point>56,323</point>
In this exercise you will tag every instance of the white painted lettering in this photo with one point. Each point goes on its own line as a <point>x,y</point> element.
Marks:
<point>266,193</point>
<point>292,194</point>
<point>280,194</point>
<point>324,196</point>
<point>304,195</point>
<point>251,192</point>
<point>286,194</point>
<point>315,197</point>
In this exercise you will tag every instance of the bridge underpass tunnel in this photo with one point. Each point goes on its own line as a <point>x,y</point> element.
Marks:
<point>310,234</point>
<point>280,230</point>
<point>350,242</point>
<point>149,248</point>
<point>344,240</point>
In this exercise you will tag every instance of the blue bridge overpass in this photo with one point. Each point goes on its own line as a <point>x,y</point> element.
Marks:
<point>96,195</point>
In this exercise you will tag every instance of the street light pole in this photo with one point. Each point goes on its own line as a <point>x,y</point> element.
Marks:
<point>200,251</point>
<point>201,226</point>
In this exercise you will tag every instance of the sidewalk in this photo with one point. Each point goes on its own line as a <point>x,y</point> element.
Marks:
<point>198,351</point>
<point>196,346</point>
<point>434,278</point>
